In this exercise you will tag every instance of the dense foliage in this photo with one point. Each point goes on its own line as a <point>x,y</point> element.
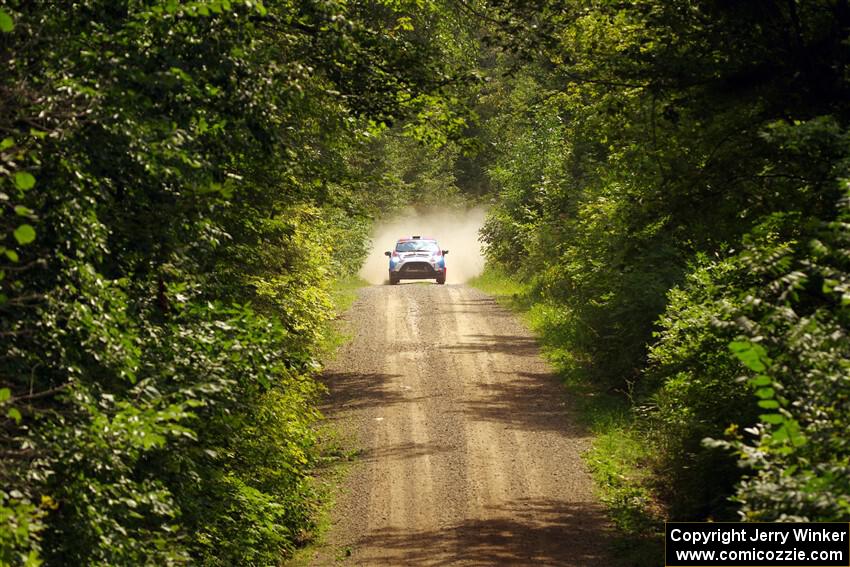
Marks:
<point>181,181</point>
<point>672,179</point>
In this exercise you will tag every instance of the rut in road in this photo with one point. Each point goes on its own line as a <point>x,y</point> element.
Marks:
<point>469,455</point>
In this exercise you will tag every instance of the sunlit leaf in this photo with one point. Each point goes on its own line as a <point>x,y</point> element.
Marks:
<point>765,393</point>
<point>761,380</point>
<point>24,234</point>
<point>24,180</point>
<point>6,23</point>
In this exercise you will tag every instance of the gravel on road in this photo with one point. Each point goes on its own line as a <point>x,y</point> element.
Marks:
<point>469,452</point>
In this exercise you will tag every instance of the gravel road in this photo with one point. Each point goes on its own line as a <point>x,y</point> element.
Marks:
<point>469,454</point>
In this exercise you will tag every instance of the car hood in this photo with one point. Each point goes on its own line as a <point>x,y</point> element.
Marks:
<point>421,255</point>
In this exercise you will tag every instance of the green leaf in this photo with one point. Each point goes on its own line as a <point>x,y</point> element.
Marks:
<point>780,435</point>
<point>5,394</point>
<point>24,234</point>
<point>765,393</point>
<point>818,248</point>
<point>24,180</point>
<point>15,414</point>
<point>12,255</point>
<point>773,418</point>
<point>7,143</point>
<point>750,354</point>
<point>768,404</point>
<point>761,380</point>
<point>23,211</point>
<point>6,23</point>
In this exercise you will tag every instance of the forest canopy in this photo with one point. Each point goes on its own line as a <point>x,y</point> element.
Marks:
<point>180,183</point>
<point>672,183</point>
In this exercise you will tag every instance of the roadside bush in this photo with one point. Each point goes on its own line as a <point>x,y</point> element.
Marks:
<point>667,175</point>
<point>176,194</point>
<point>691,391</point>
<point>793,341</point>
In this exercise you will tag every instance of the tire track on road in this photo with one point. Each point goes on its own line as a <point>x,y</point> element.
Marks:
<point>470,455</point>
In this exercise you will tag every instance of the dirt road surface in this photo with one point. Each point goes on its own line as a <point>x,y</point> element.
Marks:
<point>469,455</point>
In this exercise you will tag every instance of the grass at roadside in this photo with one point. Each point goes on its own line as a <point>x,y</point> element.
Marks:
<point>335,453</point>
<point>506,290</point>
<point>335,460</point>
<point>618,454</point>
<point>343,293</point>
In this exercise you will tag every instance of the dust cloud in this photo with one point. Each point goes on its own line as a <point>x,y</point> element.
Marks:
<point>455,231</point>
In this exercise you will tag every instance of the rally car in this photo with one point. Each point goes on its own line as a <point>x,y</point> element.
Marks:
<point>417,258</point>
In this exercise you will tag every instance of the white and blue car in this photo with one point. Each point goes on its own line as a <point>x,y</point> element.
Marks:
<point>417,258</point>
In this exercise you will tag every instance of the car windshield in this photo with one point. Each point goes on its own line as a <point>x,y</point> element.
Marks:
<point>416,245</point>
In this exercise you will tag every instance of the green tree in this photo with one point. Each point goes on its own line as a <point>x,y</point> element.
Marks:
<point>179,187</point>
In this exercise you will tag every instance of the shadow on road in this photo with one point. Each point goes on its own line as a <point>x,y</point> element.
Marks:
<point>359,390</point>
<point>513,345</point>
<point>522,532</point>
<point>529,402</point>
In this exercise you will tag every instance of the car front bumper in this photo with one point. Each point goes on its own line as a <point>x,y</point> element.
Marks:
<point>417,270</point>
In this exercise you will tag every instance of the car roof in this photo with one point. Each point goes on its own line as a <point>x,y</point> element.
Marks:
<point>414,238</point>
